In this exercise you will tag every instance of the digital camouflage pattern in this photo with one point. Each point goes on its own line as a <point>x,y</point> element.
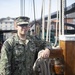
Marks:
<point>17,57</point>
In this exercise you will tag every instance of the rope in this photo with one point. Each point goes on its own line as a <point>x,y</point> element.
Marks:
<point>34,10</point>
<point>43,21</point>
<point>56,38</point>
<point>49,23</point>
<point>42,67</point>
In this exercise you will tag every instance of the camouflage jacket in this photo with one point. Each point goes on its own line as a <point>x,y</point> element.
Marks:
<point>17,57</point>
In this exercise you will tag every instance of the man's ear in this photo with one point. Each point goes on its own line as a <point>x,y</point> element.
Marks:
<point>15,25</point>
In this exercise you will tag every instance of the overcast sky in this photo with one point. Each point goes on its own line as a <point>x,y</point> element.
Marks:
<point>12,9</point>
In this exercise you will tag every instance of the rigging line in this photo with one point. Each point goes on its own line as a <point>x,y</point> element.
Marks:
<point>24,7</point>
<point>41,18</point>
<point>49,23</point>
<point>34,15</point>
<point>30,8</point>
<point>60,17</point>
<point>65,14</point>
<point>34,10</point>
<point>41,11</point>
<point>63,3</point>
<point>56,25</point>
<point>21,7</point>
<point>43,1</point>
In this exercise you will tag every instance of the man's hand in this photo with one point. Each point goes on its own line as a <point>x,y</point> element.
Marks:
<point>44,53</point>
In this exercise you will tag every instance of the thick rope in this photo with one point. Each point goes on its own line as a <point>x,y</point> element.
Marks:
<point>42,67</point>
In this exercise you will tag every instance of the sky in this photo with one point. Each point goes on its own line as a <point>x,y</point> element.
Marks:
<point>12,8</point>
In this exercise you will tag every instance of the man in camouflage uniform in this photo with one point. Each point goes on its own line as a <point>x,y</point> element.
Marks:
<point>18,53</point>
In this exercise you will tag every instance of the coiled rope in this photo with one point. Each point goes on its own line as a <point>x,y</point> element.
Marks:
<point>42,67</point>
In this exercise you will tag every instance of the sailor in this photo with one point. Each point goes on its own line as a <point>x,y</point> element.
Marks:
<point>19,52</point>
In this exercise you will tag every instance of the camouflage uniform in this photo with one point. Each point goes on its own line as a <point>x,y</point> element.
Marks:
<point>18,58</point>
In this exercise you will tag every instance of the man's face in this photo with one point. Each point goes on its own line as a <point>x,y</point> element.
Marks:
<point>22,29</point>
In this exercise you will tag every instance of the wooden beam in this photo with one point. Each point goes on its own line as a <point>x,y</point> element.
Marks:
<point>56,53</point>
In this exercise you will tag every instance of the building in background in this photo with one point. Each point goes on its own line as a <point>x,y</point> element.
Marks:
<point>7,24</point>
